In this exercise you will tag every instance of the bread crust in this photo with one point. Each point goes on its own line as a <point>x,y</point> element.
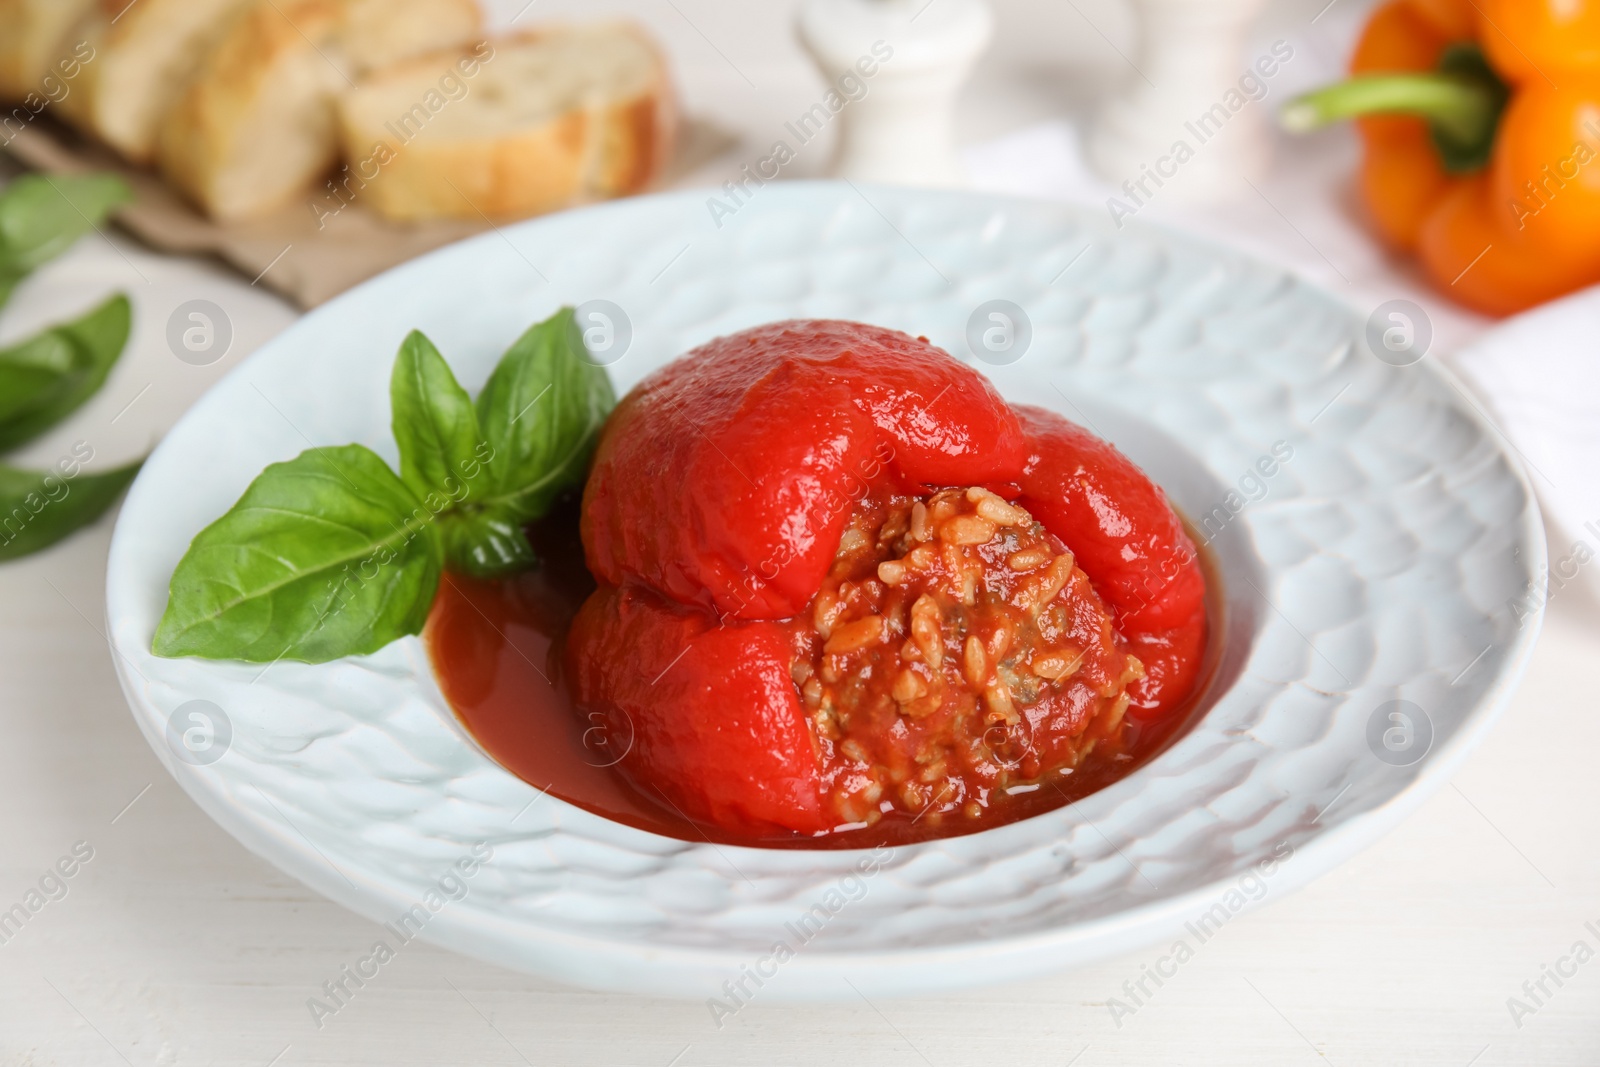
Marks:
<point>603,149</point>
<point>642,135</point>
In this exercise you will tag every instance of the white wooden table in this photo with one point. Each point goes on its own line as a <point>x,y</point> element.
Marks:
<point>173,945</point>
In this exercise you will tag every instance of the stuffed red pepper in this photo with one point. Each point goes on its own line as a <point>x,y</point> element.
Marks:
<point>840,577</point>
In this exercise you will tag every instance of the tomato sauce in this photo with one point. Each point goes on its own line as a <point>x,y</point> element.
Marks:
<point>496,650</point>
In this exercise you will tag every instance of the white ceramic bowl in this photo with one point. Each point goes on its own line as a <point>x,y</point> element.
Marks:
<point>1377,565</point>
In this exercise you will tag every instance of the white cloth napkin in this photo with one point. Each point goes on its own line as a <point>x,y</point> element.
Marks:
<point>1538,375</point>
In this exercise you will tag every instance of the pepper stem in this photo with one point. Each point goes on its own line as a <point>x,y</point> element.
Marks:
<point>1466,109</point>
<point>1461,101</point>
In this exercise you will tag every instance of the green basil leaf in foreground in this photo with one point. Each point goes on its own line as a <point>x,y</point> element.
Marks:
<point>326,555</point>
<point>49,376</point>
<point>434,423</point>
<point>332,554</point>
<point>541,412</point>
<point>41,216</point>
<point>37,509</point>
<point>442,457</point>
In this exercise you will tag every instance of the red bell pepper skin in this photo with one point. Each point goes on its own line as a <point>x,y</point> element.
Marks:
<point>720,491</point>
<point>726,478</point>
<point>716,725</point>
<point>1126,536</point>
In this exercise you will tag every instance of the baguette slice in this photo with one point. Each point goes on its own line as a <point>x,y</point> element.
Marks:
<point>257,125</point>
<point>146,51</point>
<point>33,35</point>
<point>517,126</point>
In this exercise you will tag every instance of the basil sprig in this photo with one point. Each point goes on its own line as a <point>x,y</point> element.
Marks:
<point>47,377</point>
<point>333,554</point>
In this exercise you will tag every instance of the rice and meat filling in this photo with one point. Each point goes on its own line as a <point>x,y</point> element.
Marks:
<point>954,650</point>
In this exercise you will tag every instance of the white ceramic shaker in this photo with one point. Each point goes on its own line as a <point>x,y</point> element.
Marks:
<point>1191,53</point>
<point>899,129</point>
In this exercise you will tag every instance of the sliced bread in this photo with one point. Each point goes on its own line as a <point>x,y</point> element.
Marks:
<point>146,52</point>
<point>33,35</point>
<point>257,126</point>
<point>513,127</point>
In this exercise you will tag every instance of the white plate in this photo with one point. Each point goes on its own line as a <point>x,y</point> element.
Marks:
<point>1379,566</point>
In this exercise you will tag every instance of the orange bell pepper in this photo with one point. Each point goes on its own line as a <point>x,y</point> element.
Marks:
<point>1481,126</point>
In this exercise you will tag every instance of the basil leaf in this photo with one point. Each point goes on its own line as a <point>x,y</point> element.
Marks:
<point>442,457</point>
<point>484,543</point>
<point>41,217</point>
<point>324,556</point>
<point>49,376</point>
<point>434,421</point>
<point>541,412</point>
<point>37,509</point>
<point>332,554</point>
<point>33,371</point>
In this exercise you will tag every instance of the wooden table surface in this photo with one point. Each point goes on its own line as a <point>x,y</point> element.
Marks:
<point>171,944</point>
